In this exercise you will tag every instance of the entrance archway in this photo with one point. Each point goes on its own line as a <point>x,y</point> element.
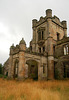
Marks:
<point>32,69</point>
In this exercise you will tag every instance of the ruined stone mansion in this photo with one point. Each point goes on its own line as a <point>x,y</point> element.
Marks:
<point>48,54</point>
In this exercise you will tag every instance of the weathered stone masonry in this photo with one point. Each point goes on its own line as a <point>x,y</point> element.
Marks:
<point>48,54</point>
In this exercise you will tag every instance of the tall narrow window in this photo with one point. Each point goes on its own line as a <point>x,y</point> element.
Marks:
<point>16,70</point>
<point>43,68</point>
<point>57,36</point>
<point>66,50</point>
<point>31,48</point>
<point>39,50</point>
<point>43,49</point>
<point>42,35</point>
<point>53,49</point>
<point>64,71</point>
<point>39,36</point>
<point>68,72</point>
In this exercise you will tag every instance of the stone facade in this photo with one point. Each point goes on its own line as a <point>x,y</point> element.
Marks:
<point>47,56</point>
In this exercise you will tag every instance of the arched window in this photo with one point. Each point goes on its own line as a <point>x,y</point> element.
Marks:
<point>16,68</point>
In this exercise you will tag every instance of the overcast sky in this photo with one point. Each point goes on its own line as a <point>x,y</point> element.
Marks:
<point>16,20</point>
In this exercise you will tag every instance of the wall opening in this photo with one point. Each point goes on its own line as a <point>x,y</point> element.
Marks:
<point>16,69</point>
<point>57,36</point>
<point>32,69</point>
<point>66,49</point>
<point>66,70</point>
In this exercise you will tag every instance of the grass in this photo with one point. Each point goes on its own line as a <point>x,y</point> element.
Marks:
<point>34,90</point>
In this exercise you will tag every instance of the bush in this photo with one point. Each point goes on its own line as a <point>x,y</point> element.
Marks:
<point>1,76</point>
<point>1,68</point>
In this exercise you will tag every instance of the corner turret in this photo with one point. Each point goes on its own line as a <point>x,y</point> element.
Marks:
<point>34,21</point>
<point>11,49</point>
<point>64,23</point>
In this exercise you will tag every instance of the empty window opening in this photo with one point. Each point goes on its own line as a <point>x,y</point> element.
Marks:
<point>39,50</point>
<point>32,65</point>
<point>42,35</point>
<point>66,50</point>
<point>64,71</point>
<point>6,73</point>
<point>31,48</point>
<point>43,68</point>
<point>43,49</point>
<point>53,49</point>
<point>57,36</point>
<point>39,36</point>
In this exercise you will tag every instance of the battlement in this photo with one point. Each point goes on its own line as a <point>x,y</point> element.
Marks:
<point>54,19</point>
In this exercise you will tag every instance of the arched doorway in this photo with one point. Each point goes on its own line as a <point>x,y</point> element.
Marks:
<point>32,69</point>
<point>16,69</point>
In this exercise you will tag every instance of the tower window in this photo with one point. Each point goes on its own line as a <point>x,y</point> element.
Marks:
<point>39,36</point>
<point>66,49</point>
<point>42,35</point>
<point>57,36</point>
<point>43,49</point>
<point>39,50</point>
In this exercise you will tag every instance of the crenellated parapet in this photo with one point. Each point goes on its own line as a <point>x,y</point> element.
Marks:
<point>54,19</point>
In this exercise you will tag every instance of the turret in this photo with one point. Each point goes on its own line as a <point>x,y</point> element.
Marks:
<point>34,21</point>
<point>64,23</point>
<point>11,49</point>
<point>49,13</point>
<point>22,44</point>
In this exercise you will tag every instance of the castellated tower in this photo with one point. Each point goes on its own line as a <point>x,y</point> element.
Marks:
<point>47,54</point>
<point>46,32</point>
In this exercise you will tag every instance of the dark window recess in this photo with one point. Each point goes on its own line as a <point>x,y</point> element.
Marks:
<point>57,36</point>
<point>39,36</point>
<point>68,72</point>
<point>64,71</point>
<point>32,65</point>
<point>42,35</point>
<point>6,73</point>
<point>39,50</point>
<point>31,48</point>
<point>43,68</point>
<point>43,49</point>
<point>53,49</point>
